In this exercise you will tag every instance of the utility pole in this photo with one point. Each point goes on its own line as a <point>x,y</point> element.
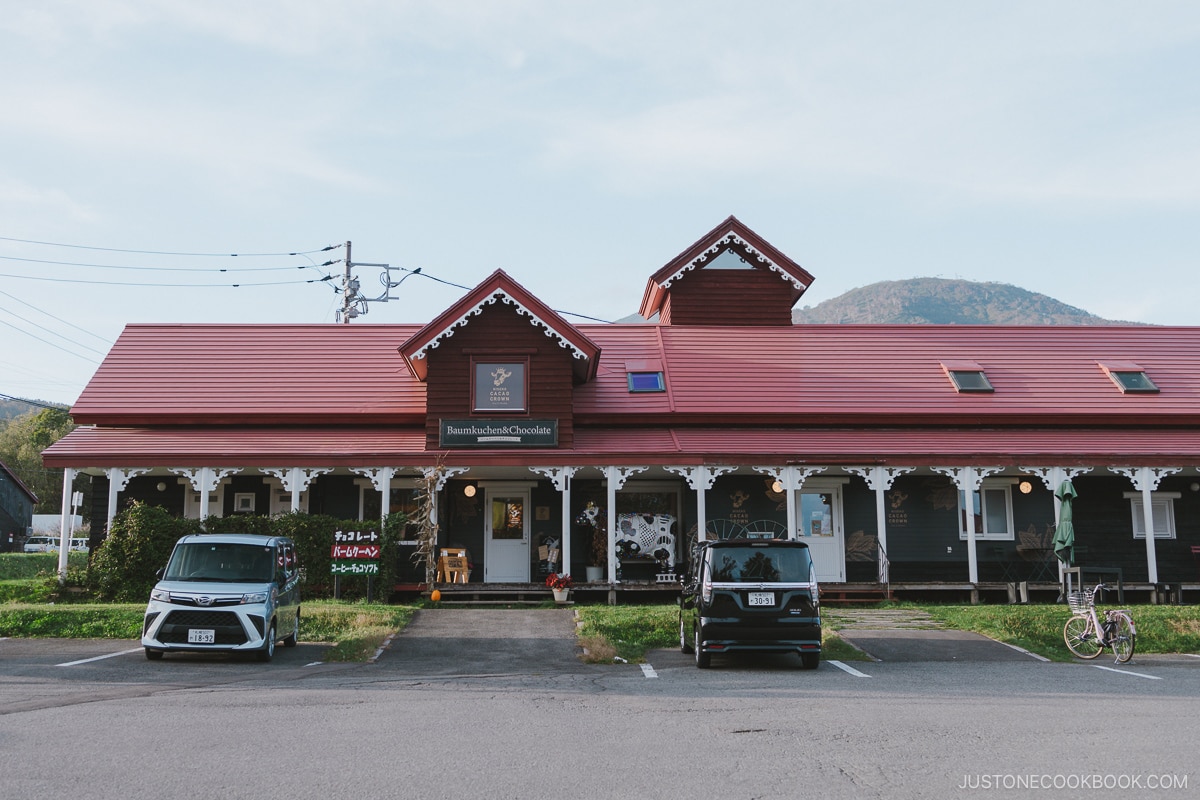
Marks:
<point>353,303</point>
<point>348,292</point>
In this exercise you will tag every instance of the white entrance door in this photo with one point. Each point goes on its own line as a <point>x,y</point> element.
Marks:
<point>506,536</point>
<point>819,518</point>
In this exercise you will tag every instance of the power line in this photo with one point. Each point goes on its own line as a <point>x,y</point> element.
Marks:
<point>59,319</point>
<point>33,402</point>
<point>167,269</point>
<point>168,252</point>
<point>52,333</point>
<point>167,285</point>
<point>52,344</point>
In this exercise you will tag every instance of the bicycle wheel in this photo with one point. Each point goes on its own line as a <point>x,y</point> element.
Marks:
<point>1081,637</point>
<point>1123,638</point>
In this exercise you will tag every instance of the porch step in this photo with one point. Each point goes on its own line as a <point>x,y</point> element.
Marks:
<point>853,595</point>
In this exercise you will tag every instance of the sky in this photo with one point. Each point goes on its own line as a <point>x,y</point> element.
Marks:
<point>579,147</point>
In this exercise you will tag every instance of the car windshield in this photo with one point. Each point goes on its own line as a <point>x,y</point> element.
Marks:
<point>220,561</point>
<point>759,565</point>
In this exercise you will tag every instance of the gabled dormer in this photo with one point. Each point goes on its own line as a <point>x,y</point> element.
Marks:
<point>731,276</point>
<point>500,360</point>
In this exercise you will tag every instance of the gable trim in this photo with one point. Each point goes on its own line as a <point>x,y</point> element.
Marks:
<point>501,295</point>
<point>727,242</point>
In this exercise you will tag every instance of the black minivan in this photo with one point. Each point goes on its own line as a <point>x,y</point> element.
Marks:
<point>751,594</point>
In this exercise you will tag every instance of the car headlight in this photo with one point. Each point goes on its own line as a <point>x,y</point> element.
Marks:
<point>161,595</point>
<point>254,598</point>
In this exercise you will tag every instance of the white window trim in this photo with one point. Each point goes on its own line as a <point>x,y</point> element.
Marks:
<point>997,484</point>
<point>1165,500</point>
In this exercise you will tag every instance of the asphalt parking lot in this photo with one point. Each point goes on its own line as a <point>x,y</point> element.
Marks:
<point>496,704</point>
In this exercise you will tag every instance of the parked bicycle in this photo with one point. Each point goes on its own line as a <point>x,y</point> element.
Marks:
<point>1087,636</point>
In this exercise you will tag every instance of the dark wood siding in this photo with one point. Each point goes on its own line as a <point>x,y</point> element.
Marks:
<point>500,331</point>
<point>729,297</point>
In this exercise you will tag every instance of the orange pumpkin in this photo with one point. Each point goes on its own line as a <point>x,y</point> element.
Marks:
<point>435,595</point>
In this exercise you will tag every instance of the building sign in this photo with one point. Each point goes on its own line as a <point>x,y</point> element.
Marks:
<point>500,386</point>
<point>499,433</point>
<point>355,553</point>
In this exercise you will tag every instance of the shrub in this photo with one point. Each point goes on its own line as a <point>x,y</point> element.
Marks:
<point>123,567</point>
<point>138,544</point>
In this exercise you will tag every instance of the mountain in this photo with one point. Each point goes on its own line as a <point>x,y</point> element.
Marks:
<point>941,301</point>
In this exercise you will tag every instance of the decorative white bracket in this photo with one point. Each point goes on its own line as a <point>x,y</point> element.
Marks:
<point>878,478</point>
<point>968,479</point>
<point>204,479</point>
<point>1052,477</point>
<point>120,476</point>
<point>618,475</point>
<point>380,477</point>
<point>560,476</point>
<point>439,475</point>
<point>1146,478</point>
<point>296,479</point>
<point>701,479</point>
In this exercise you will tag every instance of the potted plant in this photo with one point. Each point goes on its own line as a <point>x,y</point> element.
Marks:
<point>559,584</point>
<point>594,516</point>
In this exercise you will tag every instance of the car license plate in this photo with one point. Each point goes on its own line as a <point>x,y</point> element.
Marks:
<point>762,598</point>
<point>201,636</point>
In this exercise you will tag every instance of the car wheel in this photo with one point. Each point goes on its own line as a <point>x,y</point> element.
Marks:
<point>810,660</point>
<point>685,646</point>
<point>153,655</point>
<point>703,659</point>
<point>290,641</point>
<point>268,649</point>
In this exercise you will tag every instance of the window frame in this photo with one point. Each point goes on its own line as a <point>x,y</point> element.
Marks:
<point>1167,499</point>
<point>982,533</point>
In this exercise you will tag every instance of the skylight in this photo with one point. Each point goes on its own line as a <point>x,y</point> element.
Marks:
<point>1129,377</point>
<point>967,376</point>
<point>646,382</point>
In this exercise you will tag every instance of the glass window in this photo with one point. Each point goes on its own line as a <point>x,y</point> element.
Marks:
<point>816,514</point>
<point>1162,508</point>
<point>646,382</point>
<point>1133,381</point>
<point>992,508</point>
<point>759,565</point>
<point>970,381</point>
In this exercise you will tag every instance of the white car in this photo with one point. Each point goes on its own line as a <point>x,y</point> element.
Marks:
<point>225,592</point>
<point>41,544</point>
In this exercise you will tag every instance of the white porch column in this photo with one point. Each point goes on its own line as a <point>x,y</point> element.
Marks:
<point>296,479</point>
<point>879,480</point>
<point>615,478</point>
<point>118,479</point>
<point>968,480</point>
<point>561,476</point>
<point>67,520</point>
<point>205,481</point>
<point>790,480</point>
<point>1146,480</point>
<point>701,479</point>
<point>381,479</point>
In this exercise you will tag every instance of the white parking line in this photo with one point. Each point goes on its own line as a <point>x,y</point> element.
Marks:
<point>1127,672</point>
<point>1026,652</point>
<point>100,658</point>
<point>1192,655</point>
<point>648,671</point>
<point>848,668</point>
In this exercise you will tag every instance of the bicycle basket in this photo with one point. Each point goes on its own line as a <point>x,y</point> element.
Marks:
<point>1079,602</point>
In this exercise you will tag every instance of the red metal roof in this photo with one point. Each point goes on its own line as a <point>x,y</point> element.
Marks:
<point>803,375</point>
<point>253,374</point>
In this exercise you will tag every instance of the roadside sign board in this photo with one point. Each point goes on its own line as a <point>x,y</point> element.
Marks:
<point>355,568</point>
<point>362,551</point>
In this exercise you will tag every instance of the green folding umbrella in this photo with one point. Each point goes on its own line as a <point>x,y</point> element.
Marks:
<point>1064,533</point>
